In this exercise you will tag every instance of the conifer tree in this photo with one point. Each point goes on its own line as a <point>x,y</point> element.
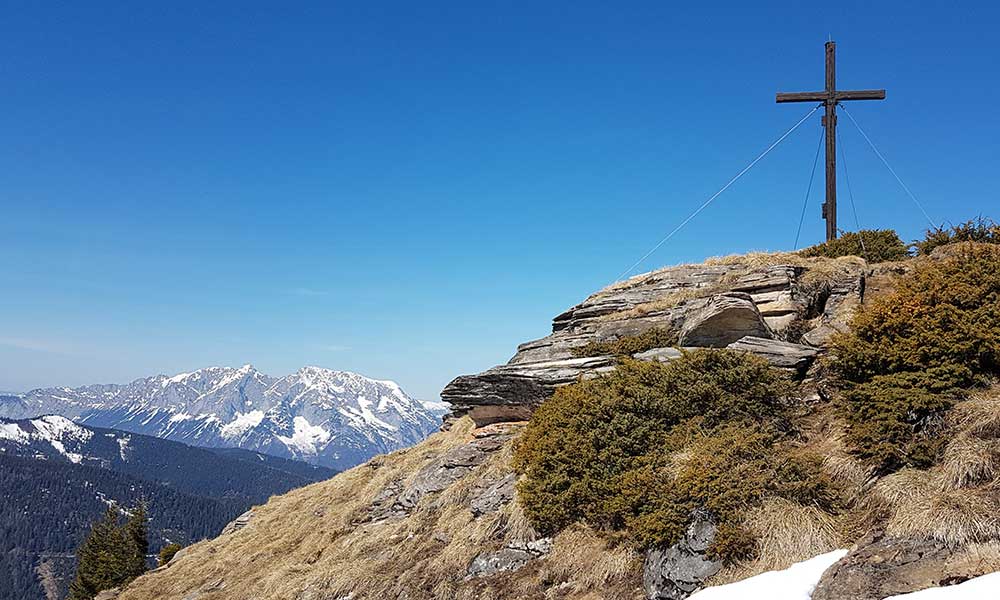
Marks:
<point>136,530</point>
<point>96,568</point>
<point>111,555</point>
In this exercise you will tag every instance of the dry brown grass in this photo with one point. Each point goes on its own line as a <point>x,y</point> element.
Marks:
<point>969,461</point>
<point>951,516</point>
<point>787,533</point>
<point>921,504</point>
<point>585,562</point>
<point>313,544</point>
<point>754,259</point>
<point>852,474</point>
<point>979,415</point>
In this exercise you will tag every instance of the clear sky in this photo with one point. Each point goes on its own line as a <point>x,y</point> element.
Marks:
<point>409,190</point>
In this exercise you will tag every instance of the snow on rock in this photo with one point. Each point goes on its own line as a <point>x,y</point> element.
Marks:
<point>334,418</point>
<point>242,423</point>
<point>307,438</point>
<point>986,587</point>
<point>797,582</point>
<point>123,449</point>
<point>14,433</point>
<point>57,431</point>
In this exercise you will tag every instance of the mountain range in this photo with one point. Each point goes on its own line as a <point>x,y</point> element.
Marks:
<point>57,477</point>
<point>332,418</point>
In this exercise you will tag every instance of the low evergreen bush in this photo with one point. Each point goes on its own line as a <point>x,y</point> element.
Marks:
<point>909,352</point>
<point>167,553</point>
<point>874,245</point>
<point>636,451</point>
<point>980,229</point>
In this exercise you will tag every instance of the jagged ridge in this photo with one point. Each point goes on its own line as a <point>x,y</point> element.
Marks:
<point>333,418</point>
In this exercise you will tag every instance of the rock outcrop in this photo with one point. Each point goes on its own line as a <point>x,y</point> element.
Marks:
<point>722,320</point>
<point>511,557</point>
<point>397,501</point>
<point>236,524</point>
<point>757,309</point>
<point>880,566</point>
<point>784,355</point>
<point>674,573</point>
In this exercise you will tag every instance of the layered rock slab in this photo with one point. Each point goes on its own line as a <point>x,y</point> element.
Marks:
<point>881,565</point>
<point>749,308</point>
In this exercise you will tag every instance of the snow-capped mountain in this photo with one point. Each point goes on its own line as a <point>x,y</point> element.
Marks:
<point>333,418</point>
<point>213,472</point>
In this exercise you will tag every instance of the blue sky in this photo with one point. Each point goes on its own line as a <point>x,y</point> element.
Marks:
<point>408,190</point>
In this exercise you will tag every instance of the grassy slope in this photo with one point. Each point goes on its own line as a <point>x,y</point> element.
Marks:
<point>309,544</point>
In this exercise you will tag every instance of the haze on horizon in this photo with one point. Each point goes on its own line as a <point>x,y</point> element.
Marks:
<point>409,192</point>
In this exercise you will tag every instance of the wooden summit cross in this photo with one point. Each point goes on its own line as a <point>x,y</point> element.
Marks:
<point>830,97</point>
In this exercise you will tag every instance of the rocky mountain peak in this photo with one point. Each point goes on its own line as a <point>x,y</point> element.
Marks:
<point>781,306</point>
<point>333,418</point>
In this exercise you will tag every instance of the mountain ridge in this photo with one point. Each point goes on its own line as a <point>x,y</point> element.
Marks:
<point>332,418</point>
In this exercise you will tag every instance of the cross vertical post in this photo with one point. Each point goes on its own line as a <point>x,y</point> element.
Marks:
<point>830,97</point>
<point>830,124</point>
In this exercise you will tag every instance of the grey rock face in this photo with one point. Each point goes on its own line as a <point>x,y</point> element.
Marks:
<point>844,294</point>
<point>509,392</point>
<point>784,355</point>
<point>493,497</point>
<point>880,566</point>
<point>397,500</point>
<point>510,558</point>
<point>676,572</point>
<point>724,319</point>
<point>706,305</point>
<point>236,524</point>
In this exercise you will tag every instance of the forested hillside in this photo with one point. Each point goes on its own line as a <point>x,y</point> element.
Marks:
<point>57,477</point>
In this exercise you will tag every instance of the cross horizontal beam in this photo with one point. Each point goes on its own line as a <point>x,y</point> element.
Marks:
<point>836,96</point>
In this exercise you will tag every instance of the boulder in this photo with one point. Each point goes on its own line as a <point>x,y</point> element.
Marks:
<point>510,392</point>
<point>724,319</point>
<point>784,355</point>
<point>659,354</point>
<point>881,565</point>
<point>511,557</point>
<point>676,572</point>
<point>236,524</point>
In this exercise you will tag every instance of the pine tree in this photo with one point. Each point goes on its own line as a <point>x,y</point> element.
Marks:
<point>136,530</point>
<point>96,557</point>
<point>111,555</point>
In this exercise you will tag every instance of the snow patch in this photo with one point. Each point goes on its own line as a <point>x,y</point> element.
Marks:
<point>307,438</point>
<point>123,446</point>
<point>369,416</point>
<point>178,378</point>
<point>978,588</point>
<point>797,582</point>
<point>241,424</point>
<point>11,431</point>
